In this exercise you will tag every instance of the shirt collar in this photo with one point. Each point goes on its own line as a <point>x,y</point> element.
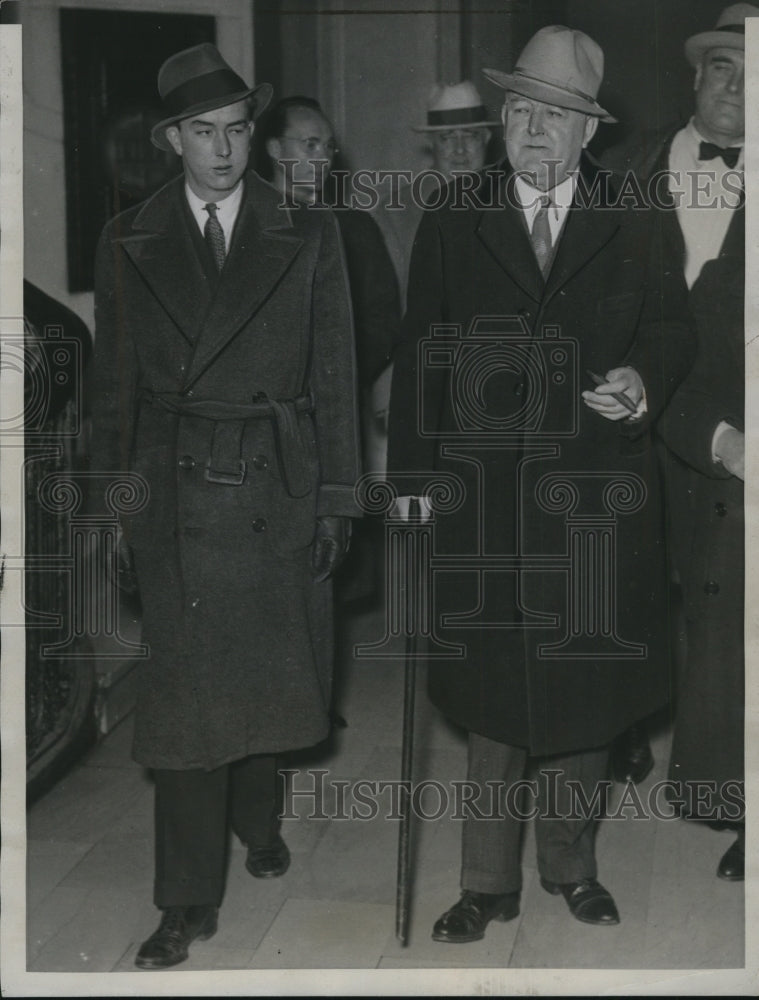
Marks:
<point>226,207</point>
<point>561,196</point>
<point>696,138</point>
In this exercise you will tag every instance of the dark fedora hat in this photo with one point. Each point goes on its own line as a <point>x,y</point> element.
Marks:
<point>197,80</point>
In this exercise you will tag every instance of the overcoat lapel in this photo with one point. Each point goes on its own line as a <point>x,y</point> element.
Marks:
<point>504,234</point>
<point>502,231</point>
<point>161,248</point>
<point>263,247</point>
<point>671,224</point>
<point>586,232</point>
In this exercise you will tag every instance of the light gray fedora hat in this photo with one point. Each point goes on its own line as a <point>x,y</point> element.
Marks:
<point>558,66</point>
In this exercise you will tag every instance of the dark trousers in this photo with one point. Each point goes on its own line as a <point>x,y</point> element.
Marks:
<point>192,810</point>
<point>564,833</point>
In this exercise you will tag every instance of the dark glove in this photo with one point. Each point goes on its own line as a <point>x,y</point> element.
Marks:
<point>330,545</point>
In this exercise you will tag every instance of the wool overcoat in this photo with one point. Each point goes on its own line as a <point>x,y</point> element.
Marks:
<point>549,577</point>
<point>706,516</point>
<point>233,396</point>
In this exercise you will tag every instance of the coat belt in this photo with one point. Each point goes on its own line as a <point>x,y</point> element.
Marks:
<point>225,464</point>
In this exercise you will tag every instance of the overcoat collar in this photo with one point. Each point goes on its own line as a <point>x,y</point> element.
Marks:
<point>161,248</point>
<point>503,232</point>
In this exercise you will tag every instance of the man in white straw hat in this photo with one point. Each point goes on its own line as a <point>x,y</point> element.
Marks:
<point>553,591</point>
<point>459,129</point>
<point>224,378</point>
<point>703,429</point>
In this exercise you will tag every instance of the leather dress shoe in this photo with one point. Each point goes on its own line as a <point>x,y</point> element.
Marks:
<point>179,927</point>
<point>733,864</point>
<point>269,861</point>
<point>467,919</point>
<point>587,899</point>
<point>631,756</point>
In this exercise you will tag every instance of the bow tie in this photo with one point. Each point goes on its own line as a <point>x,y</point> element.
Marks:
<point>709,151</point>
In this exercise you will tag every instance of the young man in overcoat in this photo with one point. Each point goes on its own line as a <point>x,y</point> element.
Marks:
<point>224,377</point>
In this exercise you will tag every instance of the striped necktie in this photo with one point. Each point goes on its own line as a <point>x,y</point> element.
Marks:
<point>214,236</point>
<point>540,236</point>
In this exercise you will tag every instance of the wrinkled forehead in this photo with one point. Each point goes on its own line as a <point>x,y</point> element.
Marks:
<point>513,100</point>
<point>722,56</point>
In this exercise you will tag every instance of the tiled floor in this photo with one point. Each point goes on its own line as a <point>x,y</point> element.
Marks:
<point>89,869</point>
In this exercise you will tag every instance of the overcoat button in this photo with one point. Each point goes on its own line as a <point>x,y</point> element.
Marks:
<point>186,462</point>
<point>260,462</point>
<point>524,314</point>
<point>711,587</point>
<point>259,524</point>
<point>721,509</point>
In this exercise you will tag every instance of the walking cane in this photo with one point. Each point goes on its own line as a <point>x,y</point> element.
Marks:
<point>403,886</point>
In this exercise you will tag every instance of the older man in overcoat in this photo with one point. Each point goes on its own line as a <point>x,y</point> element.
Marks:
<point>224,377</point>
<point>552,590</point>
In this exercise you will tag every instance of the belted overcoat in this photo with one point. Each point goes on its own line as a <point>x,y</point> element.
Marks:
<point>233,396</point>
<point>548,575</point>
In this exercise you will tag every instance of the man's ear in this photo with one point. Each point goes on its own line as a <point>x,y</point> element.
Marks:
<point>274,148</point>
<point>175,138</point>
<point>504,113</point>
<point>591,124</point>
<point>699,74</point>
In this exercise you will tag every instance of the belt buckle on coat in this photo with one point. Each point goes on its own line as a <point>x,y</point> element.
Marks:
<point>227,478</point>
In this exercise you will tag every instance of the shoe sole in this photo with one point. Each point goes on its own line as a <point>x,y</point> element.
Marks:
<point>731,878</point>
<point>555,890</point>
<point>502,918</point>
<point>147,963</point>
<point>268,874</point>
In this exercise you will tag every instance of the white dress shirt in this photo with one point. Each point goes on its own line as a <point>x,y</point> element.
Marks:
<point>226,210</point>
<point>705,207</point>
<point>706,194</point>
<point>561,201</point>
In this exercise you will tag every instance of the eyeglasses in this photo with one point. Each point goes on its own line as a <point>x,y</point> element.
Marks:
<point>470,137</point>
<point>313,143</point>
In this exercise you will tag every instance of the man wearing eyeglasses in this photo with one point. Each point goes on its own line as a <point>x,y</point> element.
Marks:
<point>300,146</point>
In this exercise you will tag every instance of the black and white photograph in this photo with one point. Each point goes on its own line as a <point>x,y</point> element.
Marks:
<point>376,462</point>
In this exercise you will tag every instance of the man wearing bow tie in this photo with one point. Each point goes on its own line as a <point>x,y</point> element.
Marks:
<point>224,377</point>
<point>703,427</point>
